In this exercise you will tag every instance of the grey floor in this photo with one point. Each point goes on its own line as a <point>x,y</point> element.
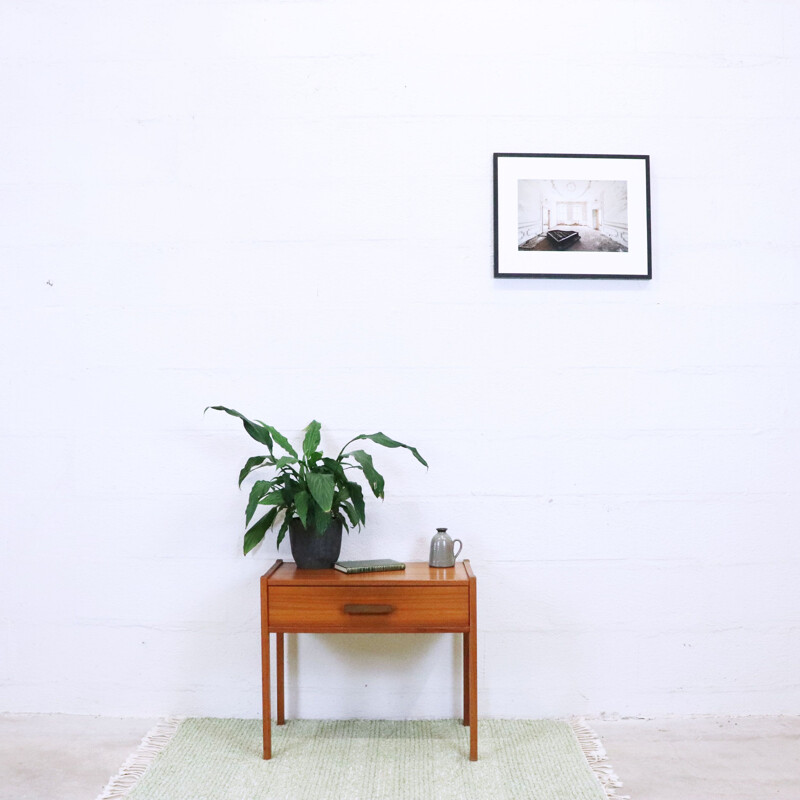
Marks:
<point>590,240</point>
<point>61,757</point>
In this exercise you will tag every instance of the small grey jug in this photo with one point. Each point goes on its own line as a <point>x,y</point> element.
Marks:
<point>442,549</point>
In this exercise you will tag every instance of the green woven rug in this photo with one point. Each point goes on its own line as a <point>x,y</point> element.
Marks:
<point>220,759</point>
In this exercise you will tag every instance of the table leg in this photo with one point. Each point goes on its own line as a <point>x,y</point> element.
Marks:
<point>473,669</point>
<point>465,674</point>
<point>473,694</point>
<point>279,670</point>
<point>266,712</point>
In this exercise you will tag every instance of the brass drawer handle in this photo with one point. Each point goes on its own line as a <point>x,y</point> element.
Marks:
<point>356,608</point>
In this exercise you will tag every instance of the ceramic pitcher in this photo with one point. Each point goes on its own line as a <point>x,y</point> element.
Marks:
<point>442,549</point>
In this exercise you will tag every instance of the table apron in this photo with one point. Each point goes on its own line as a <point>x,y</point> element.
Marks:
<point>368,609</point>
<point>365,629</point>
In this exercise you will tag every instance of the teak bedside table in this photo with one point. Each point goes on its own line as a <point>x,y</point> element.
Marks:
<point>418,599</point>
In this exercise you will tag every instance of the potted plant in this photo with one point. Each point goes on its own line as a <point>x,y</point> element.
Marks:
<point>314,494</point>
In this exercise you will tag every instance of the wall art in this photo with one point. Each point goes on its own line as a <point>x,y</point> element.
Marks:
<point>571,216</point>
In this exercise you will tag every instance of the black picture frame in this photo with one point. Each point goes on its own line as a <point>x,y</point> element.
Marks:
<point>562,215</point>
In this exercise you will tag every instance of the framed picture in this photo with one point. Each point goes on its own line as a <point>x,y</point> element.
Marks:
<point>571,216</point>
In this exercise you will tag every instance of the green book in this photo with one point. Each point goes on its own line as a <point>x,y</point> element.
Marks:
<point>375,565</point>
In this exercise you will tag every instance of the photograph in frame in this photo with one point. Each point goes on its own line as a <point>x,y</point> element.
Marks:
<point>571,216</point>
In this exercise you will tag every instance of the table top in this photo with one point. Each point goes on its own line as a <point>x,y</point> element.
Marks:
<point>416,573</point>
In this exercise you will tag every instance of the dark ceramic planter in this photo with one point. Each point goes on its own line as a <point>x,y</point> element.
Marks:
<point>312,550</point>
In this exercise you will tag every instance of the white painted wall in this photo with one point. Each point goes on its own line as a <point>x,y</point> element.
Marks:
<point>286,207</point>
<point>530,209</point>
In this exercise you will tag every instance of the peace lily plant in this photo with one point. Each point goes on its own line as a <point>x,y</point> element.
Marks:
<point>312,488</point>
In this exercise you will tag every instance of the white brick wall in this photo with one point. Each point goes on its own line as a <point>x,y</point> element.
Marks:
<point>286,207</point>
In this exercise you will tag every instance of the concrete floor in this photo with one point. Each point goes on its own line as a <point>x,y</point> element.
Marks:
<point>705,758</point>
<point>61,757</point>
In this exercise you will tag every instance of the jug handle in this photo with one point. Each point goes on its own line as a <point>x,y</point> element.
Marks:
<point>460,545</point>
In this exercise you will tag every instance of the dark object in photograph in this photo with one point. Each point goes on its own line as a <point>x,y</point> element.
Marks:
<point>572,216</point>
<point>563,239</point>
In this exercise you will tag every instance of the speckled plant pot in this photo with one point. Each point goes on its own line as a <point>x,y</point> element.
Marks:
<point>312,550</point>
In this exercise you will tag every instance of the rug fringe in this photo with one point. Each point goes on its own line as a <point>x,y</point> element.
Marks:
<point>138,762</point>
<point>595,754</point>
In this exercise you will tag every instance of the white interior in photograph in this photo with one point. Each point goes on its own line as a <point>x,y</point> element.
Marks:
<point>596,209</point>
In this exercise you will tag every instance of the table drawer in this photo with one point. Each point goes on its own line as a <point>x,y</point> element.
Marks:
<point>368,608</point>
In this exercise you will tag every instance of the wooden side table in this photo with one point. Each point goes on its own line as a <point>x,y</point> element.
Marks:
<point>418,599</point>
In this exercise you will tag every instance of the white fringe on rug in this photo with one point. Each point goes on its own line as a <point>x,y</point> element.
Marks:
<point>137,764</point>
<point>595,754</point>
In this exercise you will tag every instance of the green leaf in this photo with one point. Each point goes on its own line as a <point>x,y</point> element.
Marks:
<point>374,478</point>
<point>336,469</point>
<point>383,439</point>
<point>256,533</point>
<point>352,514</point>
<point>357,496</point>
<point>339,496</point>
<point>250,465</point>
<point>321,486</point>
<point>284,527</point>
<point>260,488</point>
<point>258,431</point>
<point>322,519</point>
<point>285,461</point>
<point>272,499</point>
<point>281,440</point>
<point>312,439</point>
<point>301,503</point>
